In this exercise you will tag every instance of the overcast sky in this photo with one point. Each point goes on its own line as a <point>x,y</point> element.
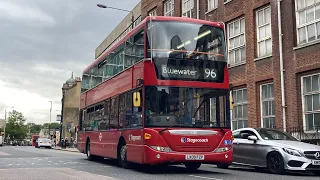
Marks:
<point>42,42</point>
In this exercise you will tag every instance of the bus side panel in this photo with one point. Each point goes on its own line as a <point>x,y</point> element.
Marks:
<point>81,141</point>
<point>109,143</point>
<point>94,142</point>
<point>110,88</point>
<point>134,141</point>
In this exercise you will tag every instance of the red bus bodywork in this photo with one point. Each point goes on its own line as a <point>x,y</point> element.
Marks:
<point>140,141</point>
<point>34,139</point>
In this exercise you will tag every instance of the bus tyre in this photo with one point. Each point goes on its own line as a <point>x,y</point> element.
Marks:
<point>123,157</point>
<point>90,156</point>
<point>192,166</point>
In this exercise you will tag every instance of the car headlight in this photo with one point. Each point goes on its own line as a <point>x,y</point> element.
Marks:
<point>292,152</point>
<point>162,149</point>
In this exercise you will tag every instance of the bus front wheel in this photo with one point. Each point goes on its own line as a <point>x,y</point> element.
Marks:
<point>192,166</point>
<point>123,156</point>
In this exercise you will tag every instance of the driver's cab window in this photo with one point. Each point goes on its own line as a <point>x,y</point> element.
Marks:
<point>246,133</point>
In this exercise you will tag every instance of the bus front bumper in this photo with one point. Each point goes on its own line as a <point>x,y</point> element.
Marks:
<point>155,157</point>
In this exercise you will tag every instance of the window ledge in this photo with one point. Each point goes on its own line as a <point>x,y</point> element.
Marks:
<point>310,131</point>
<point>263,57</point>
<point>209,11</point>
<point>307,44</point>
<point>227,2</point>
<point>236,65</point>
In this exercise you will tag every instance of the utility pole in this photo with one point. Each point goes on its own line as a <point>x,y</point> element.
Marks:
<point>50,118</point>
<point>5,120</point>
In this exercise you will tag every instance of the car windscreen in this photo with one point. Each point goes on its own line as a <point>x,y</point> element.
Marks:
<point>268,134</point>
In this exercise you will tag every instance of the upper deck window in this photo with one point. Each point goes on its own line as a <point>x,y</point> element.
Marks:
<point>184,40</point>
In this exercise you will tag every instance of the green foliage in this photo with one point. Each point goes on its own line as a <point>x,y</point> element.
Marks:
<point>15,126</point>
<point>52,125</point>
<point>35,128</point>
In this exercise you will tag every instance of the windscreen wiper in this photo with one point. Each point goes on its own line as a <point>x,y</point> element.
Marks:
<point>164,129</point>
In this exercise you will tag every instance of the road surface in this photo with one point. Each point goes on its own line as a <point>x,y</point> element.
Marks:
<point>24,163</point>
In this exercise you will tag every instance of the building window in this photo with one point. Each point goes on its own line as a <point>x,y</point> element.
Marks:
<point>137,22</point>
<point>187,8</point>
<point>267,106</point>
<point>240,109</point>
<point>311,101</point>
<point>263,18</point>
<point>168,9</point>
<point>236,42</point>
<point>308,20</point>
<point>153,12</point>
<point>212,4</point>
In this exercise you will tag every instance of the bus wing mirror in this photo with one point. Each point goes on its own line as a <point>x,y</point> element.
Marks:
<point>136,99</point>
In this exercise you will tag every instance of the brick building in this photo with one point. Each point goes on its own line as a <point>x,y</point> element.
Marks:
<point>254,57</point>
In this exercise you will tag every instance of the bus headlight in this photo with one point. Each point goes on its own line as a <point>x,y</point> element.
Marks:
<point>224,149</point>
<point>161,149</point>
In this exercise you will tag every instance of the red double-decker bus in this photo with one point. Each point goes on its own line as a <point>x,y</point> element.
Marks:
<point>34,139</point>
<point>160,95</point>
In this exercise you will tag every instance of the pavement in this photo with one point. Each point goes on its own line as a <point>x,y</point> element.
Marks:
<point>29,163</point>
<point>66,149</point>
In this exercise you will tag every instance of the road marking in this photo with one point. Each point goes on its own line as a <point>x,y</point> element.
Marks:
<point>4,154</point>
<point>202,177</point>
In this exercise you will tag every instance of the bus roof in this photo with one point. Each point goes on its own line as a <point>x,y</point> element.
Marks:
<point>157,18</point>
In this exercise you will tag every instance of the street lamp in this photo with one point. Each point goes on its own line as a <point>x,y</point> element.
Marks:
<point>109,7</point>
<point>50,117</point>
<point>5,120</point>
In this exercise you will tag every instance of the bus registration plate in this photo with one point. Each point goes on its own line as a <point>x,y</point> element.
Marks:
<point>194,157</point>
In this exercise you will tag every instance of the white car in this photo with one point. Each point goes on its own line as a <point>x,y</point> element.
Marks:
<point>44,142</point>
<point>1,141</point>
<point>274,150</point>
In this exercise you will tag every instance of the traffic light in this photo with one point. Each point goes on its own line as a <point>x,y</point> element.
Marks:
<point>2,133</point>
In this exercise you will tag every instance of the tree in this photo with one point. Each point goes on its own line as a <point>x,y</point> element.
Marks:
<point>35,128</point>
<point>15,126</point>
<point>51,126</point>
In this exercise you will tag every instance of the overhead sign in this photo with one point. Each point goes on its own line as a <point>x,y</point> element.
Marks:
<point>58,117</point>
<point>190,70</point>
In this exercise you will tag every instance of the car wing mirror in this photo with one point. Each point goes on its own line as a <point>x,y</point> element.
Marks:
<point>252,138</point>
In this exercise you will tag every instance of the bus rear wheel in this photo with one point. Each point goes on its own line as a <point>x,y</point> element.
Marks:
<point>192,166</point>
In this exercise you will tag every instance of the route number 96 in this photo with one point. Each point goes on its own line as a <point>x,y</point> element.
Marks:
<point>210,73</point>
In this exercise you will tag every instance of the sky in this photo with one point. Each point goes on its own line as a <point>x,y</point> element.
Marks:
<point>42,42</point>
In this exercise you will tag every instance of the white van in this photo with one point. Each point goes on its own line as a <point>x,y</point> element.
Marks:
<point>1,141</point>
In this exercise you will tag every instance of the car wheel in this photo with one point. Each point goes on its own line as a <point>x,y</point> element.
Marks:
<point>275,163</point>
<point>123,157</point>
<point>192,166</point>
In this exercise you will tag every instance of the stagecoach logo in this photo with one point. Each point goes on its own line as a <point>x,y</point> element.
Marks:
<point>100,136</point>
<point>317,155</point>
<point>183,139</point>
<point>190,140</point>
<point>134,138</point>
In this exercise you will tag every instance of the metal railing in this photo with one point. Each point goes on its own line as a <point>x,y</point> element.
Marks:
<point>306,135</point>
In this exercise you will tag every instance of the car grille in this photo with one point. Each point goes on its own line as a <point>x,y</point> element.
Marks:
<point>311,155</point>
